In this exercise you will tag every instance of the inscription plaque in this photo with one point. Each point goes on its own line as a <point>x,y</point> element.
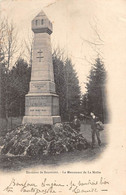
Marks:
<point>38,101</point>
<point>38,85</point>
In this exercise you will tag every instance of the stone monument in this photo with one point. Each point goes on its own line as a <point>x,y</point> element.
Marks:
<point>42,102</point>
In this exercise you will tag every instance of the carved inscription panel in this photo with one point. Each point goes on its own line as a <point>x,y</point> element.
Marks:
<point>39,86</point>
<point>38,101</point>
<point>38,111</point>
<point>42,86</point>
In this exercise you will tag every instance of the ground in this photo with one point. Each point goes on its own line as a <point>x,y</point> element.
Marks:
<point>16,163</point>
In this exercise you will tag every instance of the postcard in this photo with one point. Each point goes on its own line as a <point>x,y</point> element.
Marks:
<point>62,97</point>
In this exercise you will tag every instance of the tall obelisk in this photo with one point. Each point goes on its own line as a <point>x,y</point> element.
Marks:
<point>41,102</point>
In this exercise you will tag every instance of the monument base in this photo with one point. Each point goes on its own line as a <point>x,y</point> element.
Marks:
<point>41,119</point>
<point>41,108</point>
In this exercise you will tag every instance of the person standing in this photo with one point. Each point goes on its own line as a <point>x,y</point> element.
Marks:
<point>76,124</point>
<point>95,130</point>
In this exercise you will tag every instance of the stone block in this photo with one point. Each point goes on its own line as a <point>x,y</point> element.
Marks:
<point>42,87</point>
<point>41,119</point>
<point>41,105</point>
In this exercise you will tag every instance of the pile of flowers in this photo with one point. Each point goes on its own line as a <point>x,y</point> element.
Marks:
<point>38,139</point>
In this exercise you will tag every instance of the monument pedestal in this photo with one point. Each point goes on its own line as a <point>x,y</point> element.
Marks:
<point>41,108</point>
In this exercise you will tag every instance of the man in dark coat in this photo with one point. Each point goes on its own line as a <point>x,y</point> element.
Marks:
<point>95,130</point>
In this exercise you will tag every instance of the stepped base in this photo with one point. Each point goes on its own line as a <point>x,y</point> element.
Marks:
<point>41,119</point>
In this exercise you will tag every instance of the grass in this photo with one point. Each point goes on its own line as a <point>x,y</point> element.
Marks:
<point>17,163</point>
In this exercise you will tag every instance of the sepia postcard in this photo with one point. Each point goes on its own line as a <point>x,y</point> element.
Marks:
<point>62,97</point>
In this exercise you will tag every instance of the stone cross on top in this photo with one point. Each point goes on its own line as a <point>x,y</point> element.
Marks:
<point>40,55</point>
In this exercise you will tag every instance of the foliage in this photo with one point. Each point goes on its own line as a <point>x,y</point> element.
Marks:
<point>67,87</point>
<point>72,90</point>
<point>95,98</point>
<point>8,48</point>
<point>20,78</point>
<point>16,81</point>
<point>59,77</point>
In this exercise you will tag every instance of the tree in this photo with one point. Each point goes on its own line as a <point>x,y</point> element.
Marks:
<point>0,88</point>
<point>96,91</point>
<point>84,104</point>
<point>94,100</point>
<point>67,86</point>
<point>59,77</point>
<point>7,49</point>
<point>2,29</point>
<point>72,90</point>
<point>19,86</point>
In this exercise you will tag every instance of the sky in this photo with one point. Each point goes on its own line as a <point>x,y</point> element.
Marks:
<point>75,24</point>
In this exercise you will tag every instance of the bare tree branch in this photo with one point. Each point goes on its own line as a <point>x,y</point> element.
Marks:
<point>95,29</point>
<point>96,44</point>
<point>93,43</point>
<point>29,49</point>
<point>8,39</point>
